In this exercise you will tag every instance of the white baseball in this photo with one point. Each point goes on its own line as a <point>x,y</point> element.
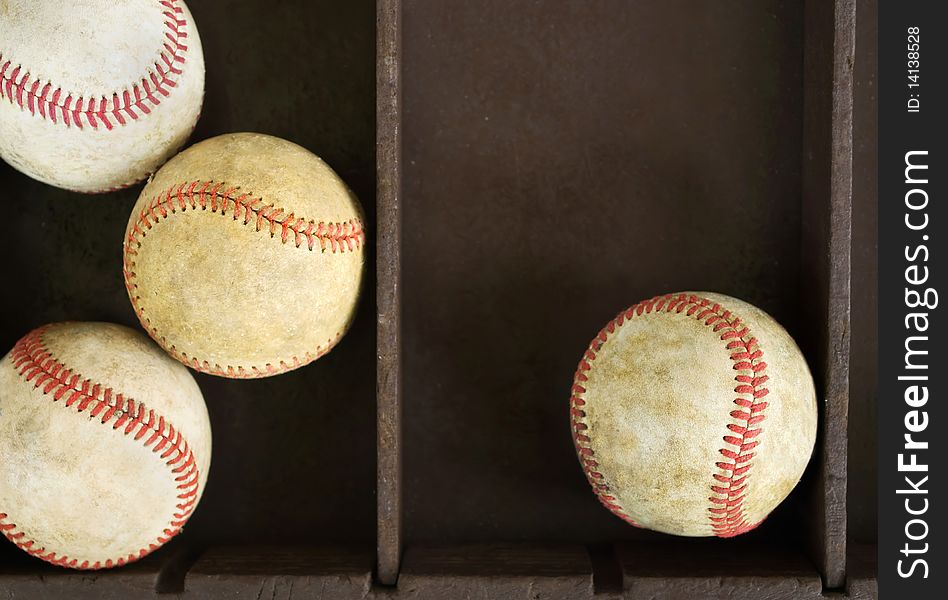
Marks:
<point>105,443</point>
<point>693,414</point>
<point>96,94</point>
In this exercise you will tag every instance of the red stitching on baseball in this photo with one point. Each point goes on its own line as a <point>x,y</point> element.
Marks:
<point>33,361</point>
<point>217,197</point>
<point>38,96</point>
<point>726,512</point>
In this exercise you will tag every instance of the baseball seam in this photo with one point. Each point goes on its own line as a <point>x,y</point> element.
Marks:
<point>728,490</point>
<point>33,361</point>
<point>249,210</point>
<point>37,95</point>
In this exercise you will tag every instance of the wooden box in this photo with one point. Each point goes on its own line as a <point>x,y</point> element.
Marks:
<point>528,169</point>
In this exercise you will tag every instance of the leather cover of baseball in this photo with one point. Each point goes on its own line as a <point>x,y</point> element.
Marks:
<point>244,256</point>
<point>96,94</point>
<point>105,442</point>
<point>693,414</point>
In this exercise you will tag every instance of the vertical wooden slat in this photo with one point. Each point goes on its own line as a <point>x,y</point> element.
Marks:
<point>388,249</point>
<point>826,239</point>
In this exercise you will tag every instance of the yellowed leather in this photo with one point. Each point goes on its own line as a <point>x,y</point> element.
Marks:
<point>75,489</point>
<point>228,291</point>
<point>652,402</point>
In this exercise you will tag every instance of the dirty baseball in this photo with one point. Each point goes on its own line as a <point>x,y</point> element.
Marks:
<point>105,442</point>
<point>244,256</point>
<point>96,94</point>
<point>693,414</point>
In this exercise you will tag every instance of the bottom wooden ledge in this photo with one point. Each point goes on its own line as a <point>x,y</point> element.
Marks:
<point>280,572</point>
<point>679,569</point>
<point>654,570</point>
<point>733,569</point>
<point>714,568</point>
<point>496,571</point>
<point>176,572</point>
<point>23,576</point>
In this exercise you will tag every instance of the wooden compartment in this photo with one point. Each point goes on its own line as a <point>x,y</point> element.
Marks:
<point>538,166</point>
<point>294,457</point>
<point>544,165</point>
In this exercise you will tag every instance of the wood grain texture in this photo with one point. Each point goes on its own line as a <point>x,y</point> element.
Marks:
<point>743,569</point>
<point>514,572</point>
<point>281,572</point>
<point>710,570</point>
<point>826,237</point>
<point>664,571</point>
<point>25,577</point>
<point>388,384</point>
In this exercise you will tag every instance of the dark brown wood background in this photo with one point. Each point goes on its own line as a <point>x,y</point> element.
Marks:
<point>561,160</point>
<point>863,425</point>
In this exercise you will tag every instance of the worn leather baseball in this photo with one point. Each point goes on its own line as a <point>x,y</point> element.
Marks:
<point>244,255</point>
<point>105,444</point>
<point>693,414</point>
<point>96,94</point>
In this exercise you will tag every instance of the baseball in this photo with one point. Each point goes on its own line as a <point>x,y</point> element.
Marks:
<point>105,443</point>
<point>244,255</point>
<point>693,414</point>
<point>96,94</point>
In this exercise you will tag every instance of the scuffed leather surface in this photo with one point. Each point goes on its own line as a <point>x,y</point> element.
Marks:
<point>217,289</point>
<point>76,486</point>
<point>94,49</point>
<point>658,401</point>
